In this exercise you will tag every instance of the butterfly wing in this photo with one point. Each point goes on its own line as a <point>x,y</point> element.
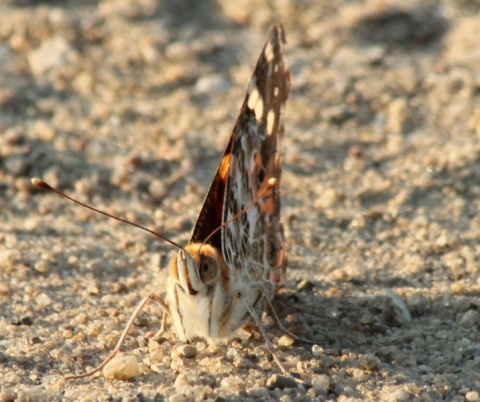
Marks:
<point>254,241</point>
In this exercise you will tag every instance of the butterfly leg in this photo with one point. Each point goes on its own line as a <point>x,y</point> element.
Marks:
<point>123,336</point>
<point>163,327</point>
<point>269,343</point>
<point>282,328</point>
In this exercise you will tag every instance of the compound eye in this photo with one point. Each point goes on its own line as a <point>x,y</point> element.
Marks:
<point>208,269</point>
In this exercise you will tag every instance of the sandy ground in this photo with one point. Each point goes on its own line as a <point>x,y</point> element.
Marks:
<point>129,104</point>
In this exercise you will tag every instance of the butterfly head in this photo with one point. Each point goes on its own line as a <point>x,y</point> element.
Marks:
<point>197,268</point>
<point>198,282</point>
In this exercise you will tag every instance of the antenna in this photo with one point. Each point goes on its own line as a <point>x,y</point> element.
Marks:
<point>41,184</point>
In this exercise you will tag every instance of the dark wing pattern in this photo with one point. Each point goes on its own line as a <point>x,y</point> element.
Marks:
<point>254,241</point>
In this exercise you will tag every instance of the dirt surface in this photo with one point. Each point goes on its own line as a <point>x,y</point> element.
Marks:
<point>129,105</point>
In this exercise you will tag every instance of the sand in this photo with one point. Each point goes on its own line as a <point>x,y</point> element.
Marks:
<point>128,105</point>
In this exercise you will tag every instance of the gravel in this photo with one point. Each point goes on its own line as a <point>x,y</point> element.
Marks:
<point>128,105</point>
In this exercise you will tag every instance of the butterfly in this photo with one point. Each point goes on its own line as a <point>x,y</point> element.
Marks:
<point>236,258</point>
<point>237,249</point>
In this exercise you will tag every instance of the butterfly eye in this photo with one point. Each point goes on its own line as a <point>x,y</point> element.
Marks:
<point>208,270</point>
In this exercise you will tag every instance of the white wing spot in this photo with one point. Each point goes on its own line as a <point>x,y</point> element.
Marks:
<point>276,91</point>
<point>270,121</point>
<point>269,52</point>
<point>253,98</point>
<point>275,68</point>
<point>259,109</point>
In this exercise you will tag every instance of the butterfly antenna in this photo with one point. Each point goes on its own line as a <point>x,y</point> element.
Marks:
<point>270,184</point>
<point>41,184</point>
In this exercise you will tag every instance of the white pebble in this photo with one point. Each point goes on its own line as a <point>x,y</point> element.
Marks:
<point>122,368</point>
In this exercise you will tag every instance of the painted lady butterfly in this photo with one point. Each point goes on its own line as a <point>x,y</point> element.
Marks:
<point>245,258</point>
<point>236,257</point>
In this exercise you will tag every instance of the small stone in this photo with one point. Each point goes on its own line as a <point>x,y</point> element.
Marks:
<point>81,318</point>
<point>53,53</point>
<point>328,198</point>
<point>181,380</point>
<point>281,382</point>
<point>317,351</point>
<point>9,257</point>
<point>212,83</point>
<point>305,285</point>
<point>4,289</point>
<point>369,362</point>
<point>122,368</point>
<point>157,189</point>
<point>42,266</point>
<point>93,331</point>
<point>471,396</point>
<point>395,311</point>
<point>8,396</point>
<point>199,392</point>
<point>32,394</point>
<point>470,319</point>
<point>26,321</point>
<point>400,395</point>
<point>43,300</point>
<point>462,304</point>
<point>321,382</point>
<point>178,398</point>
<point>285,341</point>
<point>231,383</point>
<point>67,334</point>
<point>178,51</point>
<point>119,287</point>
<point>260,392</point>
<point>187,351</point>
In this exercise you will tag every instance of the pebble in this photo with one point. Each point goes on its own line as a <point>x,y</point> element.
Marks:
<point>67,334</point>
<point>328,198</point>
<point>258,392</point>
<point>122,368</point>
<point>369,362</point>
<point>4,289</point>
<point>395,311</point>
<point>178,398</point>
<point>9,257</point>
<point>32,394</point>
<point>188,351</point>
<point>26,321</point>
<point>231,382</point>
<point>43,300</point>
<point>317,351</point>
<point>51,54</point>
<point>281,382</point>
<point>42,266</point>
<point>285,341</point>
<point>210,84</point>
<point>470,319</point>
<point>157,189</point>
<point>471,396</point>
<point>320,382</point>
<point>400,395</point>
